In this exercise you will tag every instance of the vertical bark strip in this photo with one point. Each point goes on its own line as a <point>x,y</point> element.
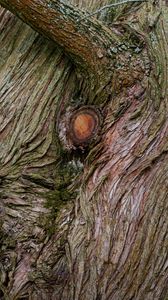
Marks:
<point>84,225</point>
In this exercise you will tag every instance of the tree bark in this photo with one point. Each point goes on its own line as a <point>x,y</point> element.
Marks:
<point>86,222</point>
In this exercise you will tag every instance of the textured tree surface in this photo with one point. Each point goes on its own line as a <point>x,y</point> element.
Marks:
<point>83,222</point>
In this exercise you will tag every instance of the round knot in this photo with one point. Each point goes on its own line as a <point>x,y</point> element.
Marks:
<point>84,124</point>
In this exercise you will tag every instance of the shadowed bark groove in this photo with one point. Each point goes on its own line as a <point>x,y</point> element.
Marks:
<point>84,225</point>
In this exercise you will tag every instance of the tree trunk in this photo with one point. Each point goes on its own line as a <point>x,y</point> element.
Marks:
<point>83,150</point>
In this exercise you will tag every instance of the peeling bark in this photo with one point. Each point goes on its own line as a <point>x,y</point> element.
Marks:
<point>93,224</point>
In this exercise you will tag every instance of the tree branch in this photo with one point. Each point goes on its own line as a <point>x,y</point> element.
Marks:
<point>86,41</point>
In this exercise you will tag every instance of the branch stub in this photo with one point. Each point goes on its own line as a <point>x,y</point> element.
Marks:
<point>79,127</point>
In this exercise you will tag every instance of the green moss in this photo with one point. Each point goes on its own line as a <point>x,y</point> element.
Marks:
<point>65,190</point>
<point>55,201</point>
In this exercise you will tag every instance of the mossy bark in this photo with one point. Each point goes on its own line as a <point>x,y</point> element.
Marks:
<point>84,224</point>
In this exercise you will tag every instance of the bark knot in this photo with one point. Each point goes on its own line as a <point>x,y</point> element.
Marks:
<point>79,126</point>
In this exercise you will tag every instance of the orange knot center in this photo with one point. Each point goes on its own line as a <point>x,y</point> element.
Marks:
<point>83,126</point>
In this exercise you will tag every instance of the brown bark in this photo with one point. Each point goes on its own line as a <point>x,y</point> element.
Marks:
<point>65,25</point>
<point>83,224</point>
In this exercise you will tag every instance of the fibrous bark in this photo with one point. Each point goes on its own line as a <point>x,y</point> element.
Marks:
<point>92,224</point>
